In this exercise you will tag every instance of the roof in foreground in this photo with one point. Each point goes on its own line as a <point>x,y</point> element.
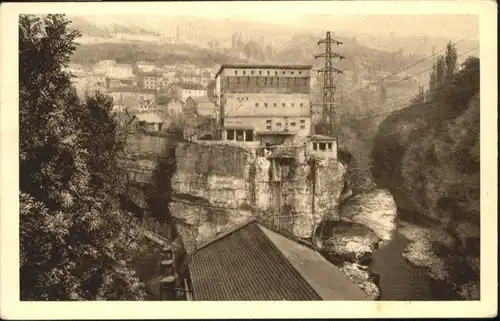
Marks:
<point>253,263</point>
<point>253,66</point>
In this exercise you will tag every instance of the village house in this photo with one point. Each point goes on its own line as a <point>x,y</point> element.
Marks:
<point>174,107</point>
<point>149,121</point>
<point>183,91</point>
<point>142,95</point>
<point>266,103</point>
<point>169,76</point>
<point>112,83</point>
<point>322,146</point>
<point>190,78</point>
<point>202,105</point>
<point>205,78</point>
<point>151,80</point>
<point>98,80</point>
<point>121,71</point>
<point>145,66</point>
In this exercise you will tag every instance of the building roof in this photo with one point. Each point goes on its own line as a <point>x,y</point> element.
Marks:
<point>252,263</point>
<point>149,117</point>
<point>249,66</point>
<point>321,138</point>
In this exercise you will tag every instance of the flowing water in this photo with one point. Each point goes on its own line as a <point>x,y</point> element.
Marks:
<point>399,280</point>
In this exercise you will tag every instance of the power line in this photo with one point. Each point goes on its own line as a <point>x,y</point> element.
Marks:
<point>409,66</point>
<point>406,79</point>
<point>400,100</point>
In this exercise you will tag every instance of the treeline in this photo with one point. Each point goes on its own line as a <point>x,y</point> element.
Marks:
<point>166,54</point>
<point>75,242</point>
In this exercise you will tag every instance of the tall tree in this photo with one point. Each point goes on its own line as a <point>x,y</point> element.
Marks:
<point>450,62</point>
<point>75,243</point>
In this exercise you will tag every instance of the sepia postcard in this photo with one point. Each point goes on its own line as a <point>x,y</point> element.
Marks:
<point>288,159</point>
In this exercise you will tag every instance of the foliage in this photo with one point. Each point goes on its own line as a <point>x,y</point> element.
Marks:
<point>428,156</point>
<point>75,242</point>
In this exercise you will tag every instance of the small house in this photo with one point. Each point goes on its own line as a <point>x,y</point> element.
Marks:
<point>322,146</point>
<point>147,121</point>
<point>202,106</point>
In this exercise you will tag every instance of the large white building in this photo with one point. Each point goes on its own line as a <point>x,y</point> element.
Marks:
<point>266,103</point>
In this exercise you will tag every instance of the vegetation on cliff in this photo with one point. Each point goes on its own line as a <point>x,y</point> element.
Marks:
<point>75,243</point>
<point>428,157</point>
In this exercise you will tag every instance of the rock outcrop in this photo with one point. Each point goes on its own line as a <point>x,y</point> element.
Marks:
<point>216,187</point>
<point>429,159</point>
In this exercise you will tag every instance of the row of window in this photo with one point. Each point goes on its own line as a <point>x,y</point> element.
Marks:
<point>268,72</point>
<point>298,81</point>
<point>282,105</point>
<point>322,146</point>
<point>292,124</point>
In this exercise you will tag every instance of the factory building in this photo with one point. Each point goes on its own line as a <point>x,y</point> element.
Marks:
<point>266,103</point>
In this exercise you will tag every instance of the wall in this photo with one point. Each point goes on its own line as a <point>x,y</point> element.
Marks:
<point>245,104</point>
<point>261,124</point>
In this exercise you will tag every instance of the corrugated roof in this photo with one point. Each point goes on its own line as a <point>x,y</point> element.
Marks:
<point>246,266</point>
<point>149,117</point>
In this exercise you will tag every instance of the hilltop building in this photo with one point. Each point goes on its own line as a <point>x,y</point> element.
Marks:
<point>266,103</point>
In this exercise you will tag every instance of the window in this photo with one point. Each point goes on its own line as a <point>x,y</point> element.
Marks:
<point>322,146</point>
<point>283,72</point>
<point>244,72</point>
<point>292,104</point>
<point>249,135</point>
<point>265,105</point>
<point>251,72</point>
<point>230,135</point>
<point>268,72</point>
<point>256,104</point>
<point>291,72</point>
<point>330,146</point>
<point>274,104</point>
<point>315,146</point>
<point>268,127</point>
<point>302,127</point>
<point>268,121</point>
<point>302,121</point>
<point>278,124</point>
<point>276,73</point>
<point>301,105</point>
<point>239,135</point>
<point>260,72</point>
<point>283,104</point>
<point>293,124</point>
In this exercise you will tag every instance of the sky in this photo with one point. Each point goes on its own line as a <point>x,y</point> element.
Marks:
<point>374,17</point>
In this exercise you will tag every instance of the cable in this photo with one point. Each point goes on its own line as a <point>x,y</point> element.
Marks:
<point>407,67</point>
<point>406,79</point>
<point>397,109</point>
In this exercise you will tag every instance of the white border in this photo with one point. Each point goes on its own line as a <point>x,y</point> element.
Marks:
<point>11,307</point>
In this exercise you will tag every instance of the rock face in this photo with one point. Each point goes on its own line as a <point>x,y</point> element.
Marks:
<point>216,187</point>
<point>430,162</point>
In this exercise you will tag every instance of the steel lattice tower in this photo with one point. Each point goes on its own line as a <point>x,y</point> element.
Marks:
<point>329,87</point>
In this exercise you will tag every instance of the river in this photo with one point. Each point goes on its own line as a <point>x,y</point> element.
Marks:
<point>399,280</point>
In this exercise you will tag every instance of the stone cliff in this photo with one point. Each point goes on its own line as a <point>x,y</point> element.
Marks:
<point>216,187</point>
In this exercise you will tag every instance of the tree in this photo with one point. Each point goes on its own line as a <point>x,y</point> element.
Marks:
<point>450,62</point>
<point>75,242</point>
